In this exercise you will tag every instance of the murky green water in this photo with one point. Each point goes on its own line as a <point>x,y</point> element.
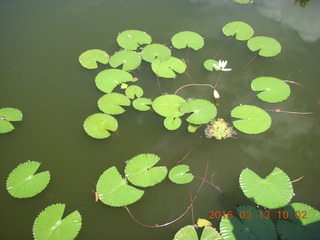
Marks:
<point>40,75</point>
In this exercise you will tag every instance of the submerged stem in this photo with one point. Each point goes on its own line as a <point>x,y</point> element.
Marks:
<point>222,47</point>
<point>278,110</point>
<point>247,65</point>
<point>215,85</point>
<point>216,187</point>
<point>300,85</point>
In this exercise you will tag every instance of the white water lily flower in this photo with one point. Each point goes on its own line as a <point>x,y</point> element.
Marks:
<point>221,66</point>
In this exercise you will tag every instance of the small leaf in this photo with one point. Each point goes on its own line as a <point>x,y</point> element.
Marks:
<point>132,39</point>
<point>201,222</point>
<point>5,126</point>
<point>187,39</point>
<point>172,123</point>
<point>112,103</point>
<point>10,114</point>
<point>192,128</point>
<point>129,60</point>
<point>168,105</point>
<point>209,65</point>
<point>242,30</point>
<point>268,47</point>
<point>98,125</point>
<point>210,233</point>
<point>134,91</point>
<point>108,79</point>
<point>155,51</point>
<point>243,1</point>
<point>179,174</point>
<point>90,58</point>
<point>168,68</point>
<point>142,104</point>
<point>186,233</point>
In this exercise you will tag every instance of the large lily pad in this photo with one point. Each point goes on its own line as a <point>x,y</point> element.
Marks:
<point>129,60</point>
<point>113,189</point>
<point>274,90</point>
<point>22,182</point>
<point>274,191</point>
<point>49,224</point>
<point>141,172</point>
<point>112,103</point>
<point>90,58</point>
<point>98,125</point>
<point>132,39</point>
<point>168,68</point>
<point>253,120</point>
<point>6,116</point>
<point>168,105</point>
<point>187,39</point>
<point>180,174</point>
<point>172,123</point>
<point>142,104</point>
<point>108,79</point>
<point>153,51</point>
<point>267,46</point>
<point>241,30</point>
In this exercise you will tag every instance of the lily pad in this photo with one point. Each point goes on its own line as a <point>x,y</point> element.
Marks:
<point>22,182</point>
<point>168,68</point>
<point>142,104</point>
<point>267,46</point>
<point>192,128</point>
<point>241,30</point>
<point>7,115</point>
<point>304,222</point>
<point>132,39</point>
<point>90,58</point>
<point>202,111</point>
<point>108,79</point>
<point>243,1</point>
<point>179,174</point>
<point>140,171</point>
<point>155,51</point>
<point>134,91</point>
<point>113,189</point>
<point>187,39</point>
<point>210,233</point>
<point>129,60</point>
<point>253,120</point>
<point>274,90</point>
<point>6,126</point>
<point>168,105</point>
<point>98,125</point>
<point>186,233</point>
<point>209,65</point>
<point>172,123</point>
<point>274,191</point>
<point>49,224</point>
<point>112,103</point>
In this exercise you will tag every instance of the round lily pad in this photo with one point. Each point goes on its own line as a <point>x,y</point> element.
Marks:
<point>153,51</point>
<point>111,103</point>
<point>5,126</point>
<point>90,58</point>
<point>172,123</point>
<point>267,46</point>
<point>98,125</point>
<point>187,39</point>
<point>209,65</point>
<point>179,174</point>
<point>132,39</point>
<point>186,233</point>
<point>168,68</point>
<point>142,104</point>
<point>168,105</point>
<point>10,114</point>
<point>134,91</point>
<point>108,79</point>
<point>241,30</point>
<point>129,60</point>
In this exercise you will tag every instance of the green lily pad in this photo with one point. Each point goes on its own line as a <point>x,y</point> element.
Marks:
<point>155,51</point>
<point>208,64</point>
<point>243,1</point>
<point>111,103</point>
<point>90,58</point>
<point>252,225</point>
<point>10,114</point>
<point>202,111</point>
<point>168,105</point>
<point>192,128</point>
<point>168,68</point>
<point>241,30</point>
<point>172,123</point>
<point>140,171</point>
<point>274,90</point>
<point>253,120</point>
<point>267,46</point>
<point>132,39</point>
<point>6,126</point>
<point>210,233</point>
<point>22,182</point>
<point>179,174</point>
<point>49,224</point>
<point>142,104</point>
<point>186,233</point>
<point>187,39</point>
<point>113,189</point>
<point>304,222</point>
<point>134,91</point>
<point>98,125</point>
<point>129,60</point>
<point>108,79</point>
<point>274,191</point>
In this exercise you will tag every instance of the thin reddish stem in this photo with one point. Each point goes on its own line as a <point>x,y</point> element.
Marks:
<point>192,212</point>
<point>247,65</point>
<point>300,85</point>
<point>216,84</point>
<point>215,186</point>
<point>193,84</point>
<point>178,162</point>
<point>278,110</point>
<point>222,47</point>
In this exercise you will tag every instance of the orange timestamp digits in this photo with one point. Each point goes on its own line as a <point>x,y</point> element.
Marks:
<point>220,214</point>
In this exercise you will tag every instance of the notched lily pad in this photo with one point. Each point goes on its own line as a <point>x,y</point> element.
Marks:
<point>209,65</point>
<point>8,115</point>
<point>267,46</point>
<point>129,60</point>
<point>180,174</point>
<point>168,68</point>
<point>90,58</point>
<point>98,125</point>
<point>187,39</point>
<point>112,103</point>
<point>134,91</point>
<point>155,51</point>
<point>108,79</point>
<point>132,39</point>
<point>168,105</point>
<point>241,30</point>
<point>172,123</point>
<point>142,104</point>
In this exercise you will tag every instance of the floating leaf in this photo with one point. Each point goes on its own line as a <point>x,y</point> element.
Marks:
<point>179,174</point>
<point>201,222</point>
<point>202,111</point>
<point>274,90</point>
<point>304,222</point>
<point>155,51</point>
<point>193,128</point>
<point>172,123</point>
<point>132,39</point>
<point>274,191</point>
<point>108,79</point>
<point>98,125</point>
<point>210,233</point>
<point>242,30</point>
<point>10,114</point>
<point>5,126</point>
<point>187,39</point>
<point>168,105</point>
<point>186,233</point>
<point>22,182</point>
<point>140,171</point>
<point>112,103</point>
<point>142,104</point>
<point>113,190</point>
<point>243,1</point>
<point>253,120</point>
<point>209,65</point>
<point>129,60</point>
<point>168,68</point>
<point>90,58</point>
<point>252,225</point>
<point>49,224</point>
<point>268,47</point>
<point>134,91</point>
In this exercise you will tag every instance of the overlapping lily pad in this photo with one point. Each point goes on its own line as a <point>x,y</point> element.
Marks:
<point>189,233</point>
<point>112,103</point>
<point>172,123</point>
<point>132,39</point>
<point>134,91</point>
<point>155,51</point>
<point>142,104</point>
<point>141,172</point>
<point>49,224</point>
<point>129,60</point>
<point>108,79</point>
<point>98,125</point>
<point>253,120</point>
<point>274,191</point>
<point>273,90</point>
<point>209,65</point>
<point>180,174</point>
<point>90,58</point>
<point>168,68</point>
<point>168,105</point>
<point>267,46</point>
<point>241,30</point>
<point>187,39</point>
<point>113,189</point>
<point>22,182</point>
<point>8,115</point>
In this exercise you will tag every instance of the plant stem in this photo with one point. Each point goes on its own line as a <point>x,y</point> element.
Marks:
<point>296,180</point>
<point>317,100</point>
<point>247,65</point>
<point>178,162</point>
<point>222,47</point>
<point>216,187</point>
<point>194,84</point>
<point>215,85</point>
<point>278,110</point>
<point>192,212</point>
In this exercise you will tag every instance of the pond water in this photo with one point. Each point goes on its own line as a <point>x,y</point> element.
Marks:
<point>40,75</point>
